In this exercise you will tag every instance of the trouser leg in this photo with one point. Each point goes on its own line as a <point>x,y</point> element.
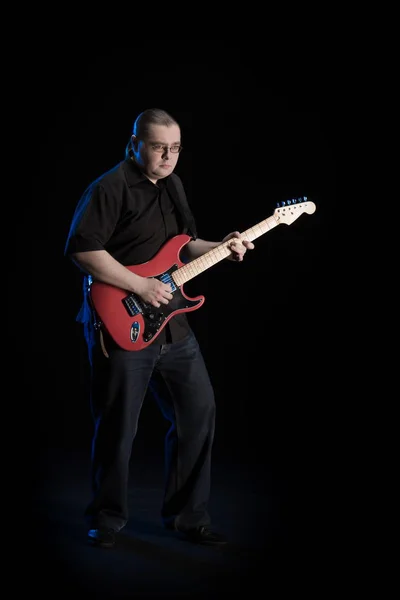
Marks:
<point>118,388</point>
<point>189,405</point>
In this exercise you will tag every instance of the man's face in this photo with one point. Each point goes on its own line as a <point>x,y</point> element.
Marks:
<point>154,155</point>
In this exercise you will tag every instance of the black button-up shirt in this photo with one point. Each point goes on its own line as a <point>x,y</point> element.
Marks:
<point>130,217</point>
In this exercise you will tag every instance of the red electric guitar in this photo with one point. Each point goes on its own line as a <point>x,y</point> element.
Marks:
<point>134,324</point>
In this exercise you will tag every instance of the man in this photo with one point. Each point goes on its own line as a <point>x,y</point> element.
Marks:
<point>124,218</point>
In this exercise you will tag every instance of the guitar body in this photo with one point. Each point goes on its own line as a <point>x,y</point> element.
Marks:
<point>132,323</point>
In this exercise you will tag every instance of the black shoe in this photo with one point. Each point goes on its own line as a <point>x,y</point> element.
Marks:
<point>103,537</point>
<point>204,535</point>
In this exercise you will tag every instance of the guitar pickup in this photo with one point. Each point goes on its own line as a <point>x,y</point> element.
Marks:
<point>166,278</point>
<point>134,306</point>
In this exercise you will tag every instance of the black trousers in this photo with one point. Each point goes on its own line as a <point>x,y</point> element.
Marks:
<point>178,377</point>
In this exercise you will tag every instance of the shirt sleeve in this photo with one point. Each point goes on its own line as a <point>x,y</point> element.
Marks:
<point>94,220</point>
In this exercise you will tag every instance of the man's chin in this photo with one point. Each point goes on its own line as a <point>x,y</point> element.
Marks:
<point>163,171</point>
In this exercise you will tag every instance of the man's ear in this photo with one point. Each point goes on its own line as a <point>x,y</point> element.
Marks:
<point>134,141</point>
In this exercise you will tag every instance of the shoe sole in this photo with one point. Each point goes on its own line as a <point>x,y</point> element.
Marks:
<point>93,542</point>
<point>205,542</point>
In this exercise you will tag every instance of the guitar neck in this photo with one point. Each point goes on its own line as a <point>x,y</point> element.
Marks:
<point>214,256</point>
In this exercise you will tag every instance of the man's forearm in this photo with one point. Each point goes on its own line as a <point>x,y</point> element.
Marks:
<point>103,267</point>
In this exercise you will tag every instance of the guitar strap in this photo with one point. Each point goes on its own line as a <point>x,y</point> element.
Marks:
<point>102,344</point>
<point>178,194</point>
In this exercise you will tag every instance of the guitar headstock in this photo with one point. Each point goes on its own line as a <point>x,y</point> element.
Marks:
<point>288,211</point>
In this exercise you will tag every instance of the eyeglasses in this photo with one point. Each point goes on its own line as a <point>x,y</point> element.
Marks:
<point>162,148</point>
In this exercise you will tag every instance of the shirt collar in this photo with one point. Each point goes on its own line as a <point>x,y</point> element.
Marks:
<point>134,175</point>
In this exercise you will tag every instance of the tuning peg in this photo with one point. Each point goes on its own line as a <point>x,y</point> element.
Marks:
<point>291,201</point>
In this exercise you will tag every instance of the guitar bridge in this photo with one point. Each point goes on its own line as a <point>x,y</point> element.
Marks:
<point>153,318</point>
<point>132,305</point>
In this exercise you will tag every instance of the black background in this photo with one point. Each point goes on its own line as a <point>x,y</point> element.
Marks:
<point>268,325</point>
